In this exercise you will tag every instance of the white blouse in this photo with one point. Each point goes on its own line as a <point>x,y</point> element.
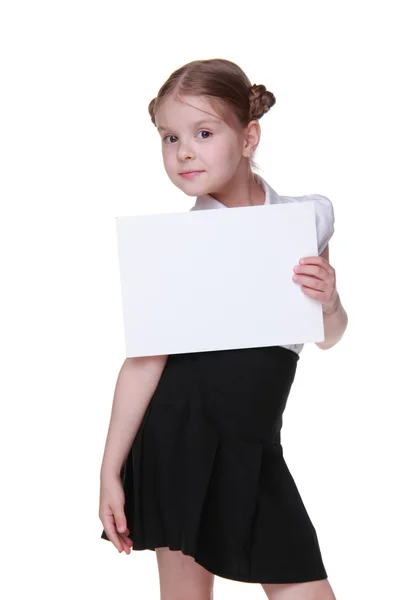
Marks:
<point>324,213</point>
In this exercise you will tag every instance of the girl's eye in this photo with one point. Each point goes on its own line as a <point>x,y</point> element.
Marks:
<point>207,132</point>
<point>168,136</point>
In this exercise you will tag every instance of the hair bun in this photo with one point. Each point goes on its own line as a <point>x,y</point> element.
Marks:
<point>260,100</point>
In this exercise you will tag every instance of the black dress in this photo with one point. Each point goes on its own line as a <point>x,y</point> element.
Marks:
<point>206,473</point>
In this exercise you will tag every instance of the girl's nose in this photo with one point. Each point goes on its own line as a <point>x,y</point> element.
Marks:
<point>185,151</point>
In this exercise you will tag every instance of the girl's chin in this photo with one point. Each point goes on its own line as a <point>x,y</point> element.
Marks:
<point>191,188</point>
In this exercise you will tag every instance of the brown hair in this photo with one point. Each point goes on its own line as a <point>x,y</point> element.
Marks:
<point>223,83</point>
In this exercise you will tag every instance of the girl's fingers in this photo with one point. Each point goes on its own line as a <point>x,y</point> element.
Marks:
<point>318,261</point>
<point>125,541</point>
<point>314,260</point>
<point>311,282</point>
<point>317,271</point>
<point>128,544</point>
<point>113,536</point>
<point>313,294</point>
<point>120,540</point>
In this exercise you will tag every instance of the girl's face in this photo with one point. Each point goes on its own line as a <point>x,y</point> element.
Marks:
<point>194,138</point>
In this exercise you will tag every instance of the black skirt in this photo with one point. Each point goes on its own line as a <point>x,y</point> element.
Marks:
<point>206,473</point>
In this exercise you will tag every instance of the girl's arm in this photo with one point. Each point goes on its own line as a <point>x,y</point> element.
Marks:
<point>335,318</point>
<point>335,324</point>
<point>318,279</point>
<point>136,384</point>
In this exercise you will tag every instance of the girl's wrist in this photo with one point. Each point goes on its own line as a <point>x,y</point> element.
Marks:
<point>109,472</point>
<point>333,307</point>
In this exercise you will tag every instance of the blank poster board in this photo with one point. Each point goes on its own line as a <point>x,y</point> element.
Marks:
<point>217,279</point>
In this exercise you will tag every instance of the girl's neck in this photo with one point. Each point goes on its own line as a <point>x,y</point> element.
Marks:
<point>242,190</point>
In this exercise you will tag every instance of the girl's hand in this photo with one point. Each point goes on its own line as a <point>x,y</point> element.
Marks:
<point>111,513</point>
<point>318,279</point>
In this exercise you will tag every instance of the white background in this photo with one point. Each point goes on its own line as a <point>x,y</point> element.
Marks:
<point>77,143</point>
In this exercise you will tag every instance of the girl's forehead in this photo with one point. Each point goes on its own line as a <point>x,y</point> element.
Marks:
<point>186,107</point>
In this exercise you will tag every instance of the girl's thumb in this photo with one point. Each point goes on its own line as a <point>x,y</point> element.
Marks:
<point>121,523</point>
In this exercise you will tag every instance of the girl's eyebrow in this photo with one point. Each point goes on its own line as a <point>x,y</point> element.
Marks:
<point>197,124</point>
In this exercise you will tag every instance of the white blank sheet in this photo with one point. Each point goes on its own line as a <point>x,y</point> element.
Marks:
<point>217,279</point>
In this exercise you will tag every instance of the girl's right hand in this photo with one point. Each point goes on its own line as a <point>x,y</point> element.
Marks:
<point>111,513</point>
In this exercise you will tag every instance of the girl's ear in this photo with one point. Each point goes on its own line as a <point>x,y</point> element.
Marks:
<point>252,137</point>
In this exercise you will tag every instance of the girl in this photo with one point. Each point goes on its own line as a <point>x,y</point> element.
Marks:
<point>193,466</point>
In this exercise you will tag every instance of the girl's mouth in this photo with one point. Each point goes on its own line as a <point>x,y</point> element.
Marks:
<point>191,174</point>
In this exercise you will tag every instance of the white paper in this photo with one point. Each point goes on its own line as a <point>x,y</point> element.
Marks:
<point>217,279</point>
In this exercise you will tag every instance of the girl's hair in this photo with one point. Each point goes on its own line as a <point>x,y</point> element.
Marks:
<point>226,86</point>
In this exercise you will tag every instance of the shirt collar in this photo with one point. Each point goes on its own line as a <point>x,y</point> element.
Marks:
<point>205,202</point>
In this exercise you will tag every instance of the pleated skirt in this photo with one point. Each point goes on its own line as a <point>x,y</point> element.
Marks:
<point>206,473</point>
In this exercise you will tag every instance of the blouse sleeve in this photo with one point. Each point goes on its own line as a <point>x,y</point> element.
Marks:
<point>325,218</point>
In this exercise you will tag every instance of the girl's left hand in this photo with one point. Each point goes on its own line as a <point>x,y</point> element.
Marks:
<point>318,279</point>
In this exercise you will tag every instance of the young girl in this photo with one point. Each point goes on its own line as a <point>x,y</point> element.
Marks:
<point>193,466</point>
